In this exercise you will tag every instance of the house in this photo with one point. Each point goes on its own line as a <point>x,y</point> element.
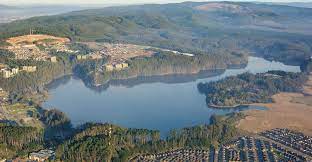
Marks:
<point>109,67</point>
<point>29,68</point>
<point>6,74</point>
<point>78,57</point>
<point>118,66</point>
<point>84,57</point>
<point>15,71</point>
<point>53,59</point>
<point>96,56</point>
<point>81,57</point>
<point>125,65</point>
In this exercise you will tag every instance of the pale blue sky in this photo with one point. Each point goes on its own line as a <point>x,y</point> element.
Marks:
<point>116,1</point>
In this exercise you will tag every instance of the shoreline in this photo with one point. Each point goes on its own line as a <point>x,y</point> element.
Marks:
<point>158,75</point>
<point>226,107</point>
<point>135,76</point>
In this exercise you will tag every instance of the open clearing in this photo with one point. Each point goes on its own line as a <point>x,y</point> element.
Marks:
<point>289,110</point>
<point>30,39</point>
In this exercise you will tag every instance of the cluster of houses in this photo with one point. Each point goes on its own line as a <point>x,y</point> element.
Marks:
<point>37,46</point>
<point>116,66</point>
<point>272,146</point>
<point>27,51</point>
<point>263,149</point>
<point>177,155</point>
<point>11,72</point>
<point>53,59</point>
<point>296,140</point>
<point>31,52</point>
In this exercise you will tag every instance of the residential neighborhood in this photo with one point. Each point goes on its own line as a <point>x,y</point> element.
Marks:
<point>271,146</point>
<point>37,47</point>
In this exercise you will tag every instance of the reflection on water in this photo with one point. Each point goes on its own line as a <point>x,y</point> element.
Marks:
<point>161,102</point>
<point>168,79</point>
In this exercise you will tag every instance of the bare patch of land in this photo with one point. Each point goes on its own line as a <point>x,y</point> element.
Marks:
<point>289,110</point>
<point>30,39</point>
<point>220,6</point>
<point>19,114</point>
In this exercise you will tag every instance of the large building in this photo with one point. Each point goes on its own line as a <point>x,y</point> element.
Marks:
<point>53,59</point>
<point>81,57</point>
<point>125,65</point>
<point>42,155</point>
<point>15,71</point>
<point>109,67</point>
<point>29,68</point>
<point>117,66</point>
<point>8,73</point>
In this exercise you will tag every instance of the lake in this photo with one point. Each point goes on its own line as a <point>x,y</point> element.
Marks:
<point>160,103</point>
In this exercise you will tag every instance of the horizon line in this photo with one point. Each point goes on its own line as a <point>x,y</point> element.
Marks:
<point>141,3</point>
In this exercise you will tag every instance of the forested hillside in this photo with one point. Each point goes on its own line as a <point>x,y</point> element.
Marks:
<point>98,142</point>
<point>16,140</point>
<point>275,32</point>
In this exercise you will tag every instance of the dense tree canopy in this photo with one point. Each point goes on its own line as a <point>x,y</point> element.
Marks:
<point>16,140</point>
<point>250,88</point>
<point>98,142</point>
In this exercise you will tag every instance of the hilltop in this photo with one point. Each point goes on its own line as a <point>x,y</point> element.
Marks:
<point>30,39</point>
<point>299,4</point>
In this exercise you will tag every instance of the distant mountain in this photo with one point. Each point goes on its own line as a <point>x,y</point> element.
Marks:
<point>273,31</point>
<point>2,7</point>
<point>12,13</point>
<point>299,4</point>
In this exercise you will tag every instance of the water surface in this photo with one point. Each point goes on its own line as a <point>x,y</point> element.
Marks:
<point>160,103</point>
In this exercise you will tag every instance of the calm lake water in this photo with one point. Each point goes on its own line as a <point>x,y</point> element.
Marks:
<point>160,103</point>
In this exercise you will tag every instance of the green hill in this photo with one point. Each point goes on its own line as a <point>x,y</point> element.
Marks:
<point>272,31</point>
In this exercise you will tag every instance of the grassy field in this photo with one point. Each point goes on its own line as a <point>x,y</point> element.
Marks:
<point>289,110</point>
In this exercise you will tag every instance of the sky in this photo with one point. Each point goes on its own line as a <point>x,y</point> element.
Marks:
<point>14,2</point>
